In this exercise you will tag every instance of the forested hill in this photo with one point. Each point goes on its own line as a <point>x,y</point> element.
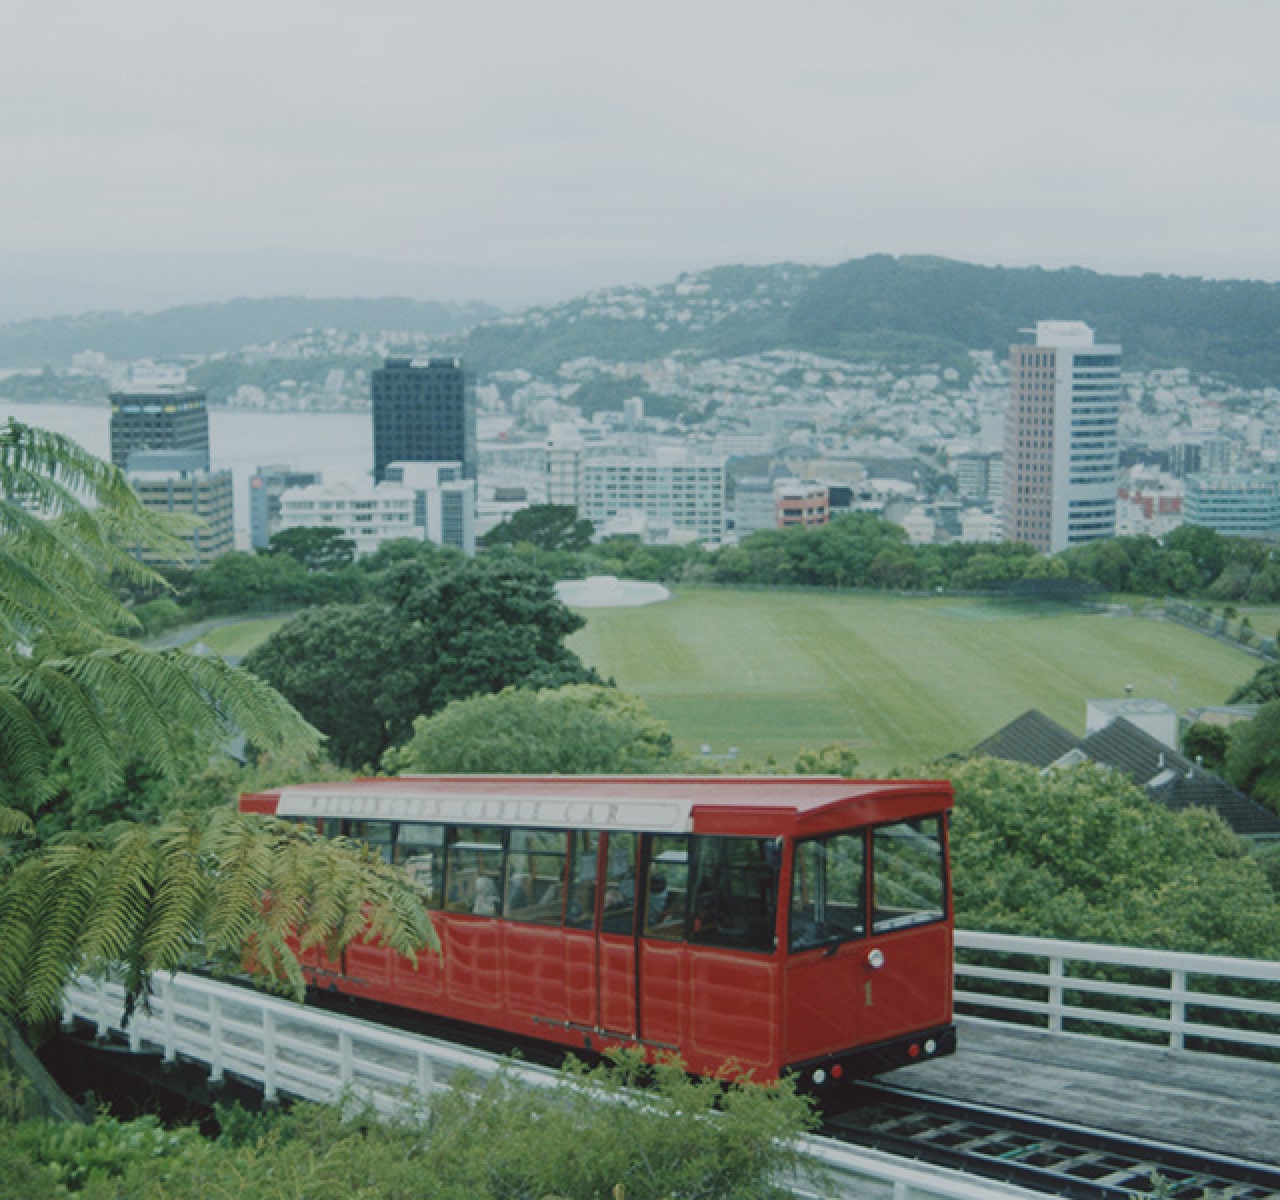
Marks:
<point>908,310</point>
<point>1225,327</point>
<point>905,310</point>
<point>214,328</point>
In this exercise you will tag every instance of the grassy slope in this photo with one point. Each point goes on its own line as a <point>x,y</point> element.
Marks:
<point>902,680</point>
<point>237,638</point>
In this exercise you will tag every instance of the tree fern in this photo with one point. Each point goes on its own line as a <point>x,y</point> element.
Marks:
<point>132,899</point>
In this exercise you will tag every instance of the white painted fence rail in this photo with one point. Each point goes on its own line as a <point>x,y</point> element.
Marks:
<point>1061,988</point>
<point>281,1046</point>
<point>293,1050</point>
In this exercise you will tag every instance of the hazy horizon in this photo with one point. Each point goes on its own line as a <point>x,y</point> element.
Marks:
<point>519,154</point>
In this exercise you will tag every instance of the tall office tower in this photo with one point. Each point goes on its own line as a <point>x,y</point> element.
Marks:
<point>176,482</point>
<point>172,419</point>
<point>423,413</point>
<point>1061,468</point>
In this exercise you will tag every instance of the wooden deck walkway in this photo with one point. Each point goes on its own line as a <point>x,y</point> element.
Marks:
<point>1196,1101</point>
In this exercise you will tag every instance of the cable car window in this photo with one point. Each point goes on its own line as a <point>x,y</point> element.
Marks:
<point>474,870</point>
<point>620,885</point>
<point>375,834</point>
<point>535,875</point>
<point>735,887</point>
<point>419,849</point>
<point>580,912</point>
<point>828,885</point>
<point>667,887</point>
<point>908,883</point>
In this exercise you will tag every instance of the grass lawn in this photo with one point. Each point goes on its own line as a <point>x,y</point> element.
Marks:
<point>235,639</point>
<point>901,680</point>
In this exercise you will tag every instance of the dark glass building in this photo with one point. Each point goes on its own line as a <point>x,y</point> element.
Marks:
<point>170,419</point>
<point>423,413</point>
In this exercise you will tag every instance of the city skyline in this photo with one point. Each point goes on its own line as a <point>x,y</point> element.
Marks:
<point>525,153</point>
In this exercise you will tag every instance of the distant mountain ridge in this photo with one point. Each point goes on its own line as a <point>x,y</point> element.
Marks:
<point>912,309</point>
<point>907,309</point>
<point>223,327</point>
<point>1229,328</point>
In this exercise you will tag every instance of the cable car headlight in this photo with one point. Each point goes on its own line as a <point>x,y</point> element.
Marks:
<point>875,958</point>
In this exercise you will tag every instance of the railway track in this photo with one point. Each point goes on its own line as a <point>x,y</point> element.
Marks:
<point>1060,1160</point>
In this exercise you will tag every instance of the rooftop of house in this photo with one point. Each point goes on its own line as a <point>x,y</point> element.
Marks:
<point>1167,777</point>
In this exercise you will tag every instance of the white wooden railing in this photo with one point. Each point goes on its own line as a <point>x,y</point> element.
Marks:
<point>1055,986</point>
<point>290,1049</point>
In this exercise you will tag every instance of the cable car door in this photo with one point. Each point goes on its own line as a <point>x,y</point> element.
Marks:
<point>616,941</point>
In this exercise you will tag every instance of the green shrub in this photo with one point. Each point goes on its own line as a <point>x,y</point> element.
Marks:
<point>590,1137</point>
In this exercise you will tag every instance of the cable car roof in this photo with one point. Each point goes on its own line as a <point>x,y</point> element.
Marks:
<point>758,805</point>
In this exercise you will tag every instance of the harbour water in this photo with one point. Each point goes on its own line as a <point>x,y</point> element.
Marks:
<point>339,444</point>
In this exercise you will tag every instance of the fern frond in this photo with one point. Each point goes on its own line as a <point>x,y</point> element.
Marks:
<point>14,823</point>
<point>180,896</point>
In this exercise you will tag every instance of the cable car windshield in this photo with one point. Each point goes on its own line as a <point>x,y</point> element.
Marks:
<point>908,884</point>
<point>828,886</point>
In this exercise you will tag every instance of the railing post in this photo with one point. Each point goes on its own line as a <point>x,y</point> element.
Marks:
<point>1057,972</point>
<point>1177,1009</point>
<point>268,1055</point>
<point>346,1060</point>
<point>215,1040</point>
<point>168,990</point>
<point>135,1030</point>
<point>101,1026</point>
<point>426,1075</point>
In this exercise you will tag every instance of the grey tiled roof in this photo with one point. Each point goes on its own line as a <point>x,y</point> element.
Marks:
<point>1031,738</point>
<point>1168,777</point>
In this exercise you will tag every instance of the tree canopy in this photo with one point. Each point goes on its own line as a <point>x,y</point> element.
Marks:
<point>1085,854</point>
<point>581,729</point>
<point>548,527</point>
<point>363,673</point>
<point>1253,756</point>
<point>317,548</point>
<point>358,672</point>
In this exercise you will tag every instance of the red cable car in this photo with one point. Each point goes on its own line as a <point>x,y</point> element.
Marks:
<point>763,925</point>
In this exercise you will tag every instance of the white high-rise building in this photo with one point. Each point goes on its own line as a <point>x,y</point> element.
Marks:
<point>1061,468</point>
<point>425,501</point>
<point>681,496</point>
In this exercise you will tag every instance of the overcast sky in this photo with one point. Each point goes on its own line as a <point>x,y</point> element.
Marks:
<point>157,152</point>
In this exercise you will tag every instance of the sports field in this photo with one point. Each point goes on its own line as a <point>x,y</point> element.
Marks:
<point>901,680</point>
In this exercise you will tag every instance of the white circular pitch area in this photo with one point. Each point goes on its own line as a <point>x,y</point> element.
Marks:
<point>608,591</point>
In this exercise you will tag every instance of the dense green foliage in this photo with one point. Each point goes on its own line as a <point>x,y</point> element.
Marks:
<point>1253,755</point>
<point>84,715</point>
<point>247,583</point>
<point>1261,689</point>
<point>581,729</point>
<point>358,672</point>
<point>1085,855</point>
<point>317,548</point>
<point>861,550</point>
<point>1207,744</point>
<point>67,685</point>
<point>308,567</point>
<point>361,673</point>
<point>582,1139</point>
<point>548,527</point>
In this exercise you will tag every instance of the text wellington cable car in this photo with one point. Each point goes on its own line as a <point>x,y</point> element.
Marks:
<point>764,925</point>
